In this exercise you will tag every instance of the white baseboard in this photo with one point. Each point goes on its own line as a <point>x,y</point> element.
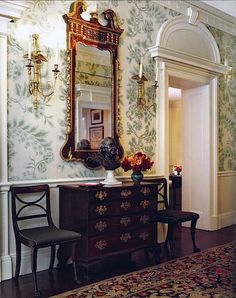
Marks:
<point>6,268</point>
<point>8,263</point>
<point>227,219</point>
<point>214,223</point>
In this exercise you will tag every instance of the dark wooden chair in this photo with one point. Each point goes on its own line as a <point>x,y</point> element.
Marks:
<point>172,218</point>
<point>31,204</point>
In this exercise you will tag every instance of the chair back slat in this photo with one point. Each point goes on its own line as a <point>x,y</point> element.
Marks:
<point>162,191</point>
<point>30,203</point>
<point>31,217</point>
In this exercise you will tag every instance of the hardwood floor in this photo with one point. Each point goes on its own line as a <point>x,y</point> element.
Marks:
<point>62,280</point>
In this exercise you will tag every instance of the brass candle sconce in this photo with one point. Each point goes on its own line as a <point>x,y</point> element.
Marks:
<point>35,59</point>
<point>141,79</point>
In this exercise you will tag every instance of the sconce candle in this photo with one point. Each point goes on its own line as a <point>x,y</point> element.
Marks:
<point>141,68</point>
<point>156,79</point>
<point>56,56</point>
<point>29,48</point>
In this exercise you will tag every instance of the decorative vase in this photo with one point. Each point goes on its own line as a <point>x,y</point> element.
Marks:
<point>177,173</point>
<point>137,177</point>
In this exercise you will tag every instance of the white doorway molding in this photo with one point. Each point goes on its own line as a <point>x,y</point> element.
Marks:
<point>188,53</point>
<point>191,44</point>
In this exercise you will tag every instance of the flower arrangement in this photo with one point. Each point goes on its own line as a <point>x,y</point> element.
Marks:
<point>137,162</point>
<point>177,169</point>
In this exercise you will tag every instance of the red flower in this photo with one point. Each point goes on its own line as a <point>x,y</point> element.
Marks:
<point>178,168</point>
<point>137,162</point>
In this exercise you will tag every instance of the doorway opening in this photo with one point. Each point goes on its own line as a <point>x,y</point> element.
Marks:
<point>175,147</point>
<point>187,57</point>
<point>190,145</point>
<point>190,129</point>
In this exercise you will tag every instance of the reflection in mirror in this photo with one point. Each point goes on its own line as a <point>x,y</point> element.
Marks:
<point>93,82</point>
<point>92,104</point>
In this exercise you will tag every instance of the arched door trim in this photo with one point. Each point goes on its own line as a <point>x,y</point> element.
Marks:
<point>171,59</point>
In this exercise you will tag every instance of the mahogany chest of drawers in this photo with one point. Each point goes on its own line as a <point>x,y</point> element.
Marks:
<point>112,220</point>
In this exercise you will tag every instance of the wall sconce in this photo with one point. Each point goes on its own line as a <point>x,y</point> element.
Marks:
<point>230,74</point>
<point>35,59</point>
<point>141,79</point>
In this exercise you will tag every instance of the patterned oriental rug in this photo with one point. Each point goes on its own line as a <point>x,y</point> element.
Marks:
<point>211,273</point>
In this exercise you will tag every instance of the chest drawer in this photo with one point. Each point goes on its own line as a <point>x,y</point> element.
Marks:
<point>120,223</point>
<point>106,194</point>
<point>122,241</point>
<point>121,207</point>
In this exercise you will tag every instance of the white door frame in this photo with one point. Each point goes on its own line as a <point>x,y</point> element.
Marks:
<point>200,77</point>
<point>196,59</point>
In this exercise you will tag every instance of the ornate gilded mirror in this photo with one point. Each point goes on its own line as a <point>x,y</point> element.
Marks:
<point>92,105</point>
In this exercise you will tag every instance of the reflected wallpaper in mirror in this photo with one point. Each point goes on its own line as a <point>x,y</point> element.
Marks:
<point>93,83</point>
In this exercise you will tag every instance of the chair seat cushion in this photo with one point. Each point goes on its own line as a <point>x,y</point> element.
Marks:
<point>175,216</point>
<point>47,235</point>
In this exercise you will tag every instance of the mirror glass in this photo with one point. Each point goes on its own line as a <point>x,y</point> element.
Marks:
<point>93,83</point>
<point>92,103</point>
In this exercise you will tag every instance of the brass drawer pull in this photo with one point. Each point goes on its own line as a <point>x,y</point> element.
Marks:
<point>101,195</point>
<point>100,225</point>
<point>145,219</point>
<point>101,244</point>
<point>125,237</point>
<point>144,236</point>
<point>101,209</point>
<point>125,205</point>
<point>145,190</point>
<point>145,204</point>
<point>125,193</point>
<point>125,221</point>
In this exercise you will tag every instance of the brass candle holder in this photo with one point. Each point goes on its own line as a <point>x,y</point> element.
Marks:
<point>34,62</point>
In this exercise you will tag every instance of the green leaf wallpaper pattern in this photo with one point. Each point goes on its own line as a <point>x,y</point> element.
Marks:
<point>144,19</point>
<point>35,138</point>
<point>227,102</point>
<point>30,138</point>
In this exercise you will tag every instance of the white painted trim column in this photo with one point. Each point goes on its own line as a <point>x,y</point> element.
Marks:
<point>5,262</point>
<point>3,99</point>
<point>8,10</point>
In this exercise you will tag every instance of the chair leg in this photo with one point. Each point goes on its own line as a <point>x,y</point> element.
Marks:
<point>18,259</point>
<point>193,230</point>
<point>52,259</point>
<point>74,249</point>
<point>34,272</point>
<point>169,242</point>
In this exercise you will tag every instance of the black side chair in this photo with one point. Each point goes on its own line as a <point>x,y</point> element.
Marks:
<point>30,204</point>
<point>172,218</point>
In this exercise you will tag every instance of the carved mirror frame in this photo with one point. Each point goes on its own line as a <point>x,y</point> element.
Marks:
<point>103,37</point>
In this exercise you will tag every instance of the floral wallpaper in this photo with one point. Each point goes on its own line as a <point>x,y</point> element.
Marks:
<point>36,137</point>
<point>227,102</point>
<point>93,74</point>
